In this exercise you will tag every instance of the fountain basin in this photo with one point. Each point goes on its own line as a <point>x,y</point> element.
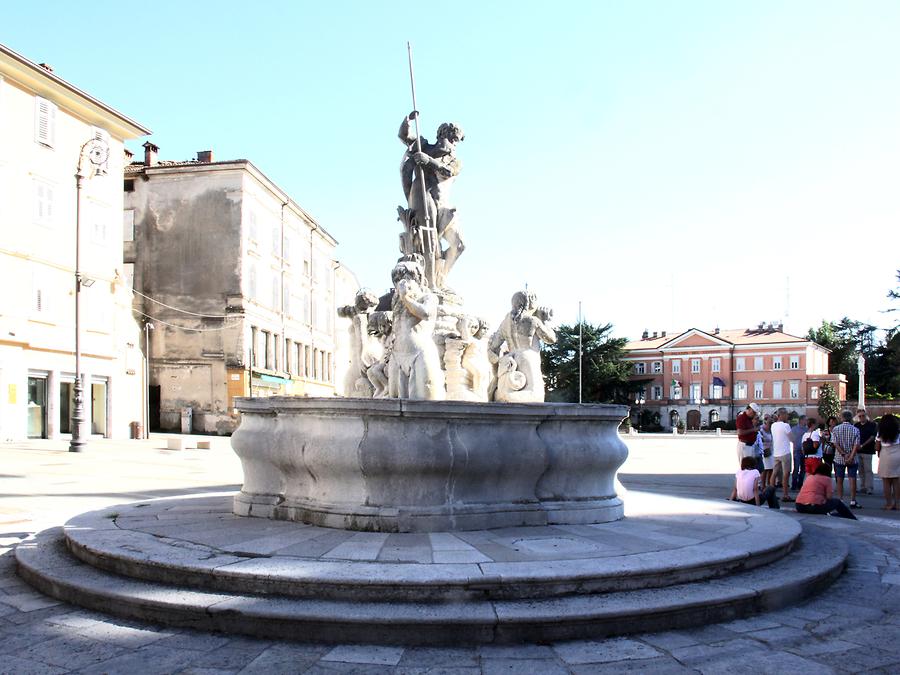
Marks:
<point>397,465</point>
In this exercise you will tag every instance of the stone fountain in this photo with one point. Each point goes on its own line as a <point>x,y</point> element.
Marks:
<point>445,427</point>
<point>442,502</point>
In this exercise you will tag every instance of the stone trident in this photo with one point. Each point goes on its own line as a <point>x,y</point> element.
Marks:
<point>428,232</point>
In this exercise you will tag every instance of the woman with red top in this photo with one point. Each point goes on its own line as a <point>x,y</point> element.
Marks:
<point>815,495</point>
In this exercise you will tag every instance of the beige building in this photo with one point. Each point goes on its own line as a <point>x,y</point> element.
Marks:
<point>45,123</point>
<point>239,284</point>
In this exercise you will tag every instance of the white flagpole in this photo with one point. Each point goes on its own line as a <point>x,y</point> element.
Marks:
<point>580,354</point>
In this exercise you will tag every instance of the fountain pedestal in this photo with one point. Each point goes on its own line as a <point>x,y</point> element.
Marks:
<point>397,465</point>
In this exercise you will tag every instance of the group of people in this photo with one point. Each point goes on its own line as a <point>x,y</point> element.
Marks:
<point>773,454</point>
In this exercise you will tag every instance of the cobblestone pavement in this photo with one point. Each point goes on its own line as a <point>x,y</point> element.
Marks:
<point>853,627</point>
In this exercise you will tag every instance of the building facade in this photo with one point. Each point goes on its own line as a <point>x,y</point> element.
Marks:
<point>236,283</point>
<point>45,124</point>
<point>699,377</point>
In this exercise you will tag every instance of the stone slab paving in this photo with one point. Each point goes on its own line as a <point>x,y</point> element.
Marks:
<point>851,628</point>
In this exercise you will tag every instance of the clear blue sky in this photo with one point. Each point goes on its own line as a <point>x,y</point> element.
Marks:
<point>670,164</point>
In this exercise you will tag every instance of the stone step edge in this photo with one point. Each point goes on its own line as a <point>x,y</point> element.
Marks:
<point>370,580</point>
<point>349,584</point>
<point>45,563</point>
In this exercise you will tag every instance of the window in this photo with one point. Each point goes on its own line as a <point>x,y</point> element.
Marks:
<point>44,121</point>
<point>286,298</point>
<point>695,392</point>
<point>758,363</point>
<point>776,363</point>
<point>794,387</point>
<point>128,225</point>
<point>675,391</point>
<point>676,367</point>
<point>814,392</point>
<point>98,231</point>
<point>717,365</point>
<point>740,390</point>
<point>639,368</point>
<point>657,367</point>
<point>251,281</point>
<point>739,364</point>
<point>276,353</point>
<point>270,350</point>
<point>276,242</point>
<point>759,391</point>
<point>43,203</point>
<point>287,248</point>
<point>795,362</point>
<point>777,390</point>
<point>276,293</point>
<point>254,358</point>
<point>715,391</point>
<point>38,294</point>
<point>129,185</point>
<point>657,392</point>
<point>695,365</point>
<point>252,230</point>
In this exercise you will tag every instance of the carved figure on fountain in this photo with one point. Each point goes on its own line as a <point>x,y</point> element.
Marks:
<point>414,369</point>
<point>466,364</point>
<point>516,350</point>
<point>380,325</point>
<point>429,218</point>
<point>365,349</point>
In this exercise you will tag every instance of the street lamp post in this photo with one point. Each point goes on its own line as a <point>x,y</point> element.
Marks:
<point>91,162</point>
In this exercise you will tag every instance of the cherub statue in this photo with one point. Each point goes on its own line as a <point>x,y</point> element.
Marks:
<point>414,369</point>
<point>365,350</point>
<point>516,349</point>
<point>380,328</point>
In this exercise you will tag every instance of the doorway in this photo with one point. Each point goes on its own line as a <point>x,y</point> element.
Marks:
<point>66,406</point>
<point>154,395</point>
<point>98,408</point>
<point>693,420</point>
<point>37,407</point>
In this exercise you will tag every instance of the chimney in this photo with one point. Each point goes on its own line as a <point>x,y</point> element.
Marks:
<point>151,154</point>
<point>716,331</point>
<point>47,67</point>
<point>655,334</point>
<point>645,334</point>
<point>780,327</point>
<point>664,333</point>
<point>205,156</point>
<point>762,325</point>
<point>771,328</point>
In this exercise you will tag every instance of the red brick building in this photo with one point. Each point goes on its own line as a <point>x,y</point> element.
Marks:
<point>701,377</point>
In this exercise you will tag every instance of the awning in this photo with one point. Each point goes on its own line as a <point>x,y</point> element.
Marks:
<point>718,382</point>
<point>272,378</point>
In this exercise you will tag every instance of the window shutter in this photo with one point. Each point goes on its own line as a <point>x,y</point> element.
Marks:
<point>44,121</point>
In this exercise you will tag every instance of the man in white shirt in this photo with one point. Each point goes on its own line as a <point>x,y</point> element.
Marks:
<point>782,449</point>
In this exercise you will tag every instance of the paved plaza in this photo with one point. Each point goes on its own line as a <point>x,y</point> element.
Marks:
<point>852,627</point>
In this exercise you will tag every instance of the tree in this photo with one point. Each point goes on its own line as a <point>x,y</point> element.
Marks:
<point>845,339</point>
<point>829,405</point>
<point>605,373</point>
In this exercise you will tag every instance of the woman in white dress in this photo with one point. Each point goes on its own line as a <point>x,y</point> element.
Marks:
<point>887,445</point>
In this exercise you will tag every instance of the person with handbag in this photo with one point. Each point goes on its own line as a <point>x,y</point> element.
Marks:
<point>811,446</point>
<point>764,444</point>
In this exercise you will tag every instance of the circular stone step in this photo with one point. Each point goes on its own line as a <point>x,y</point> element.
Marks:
<point>198,543</point>
<point>44,562</point>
